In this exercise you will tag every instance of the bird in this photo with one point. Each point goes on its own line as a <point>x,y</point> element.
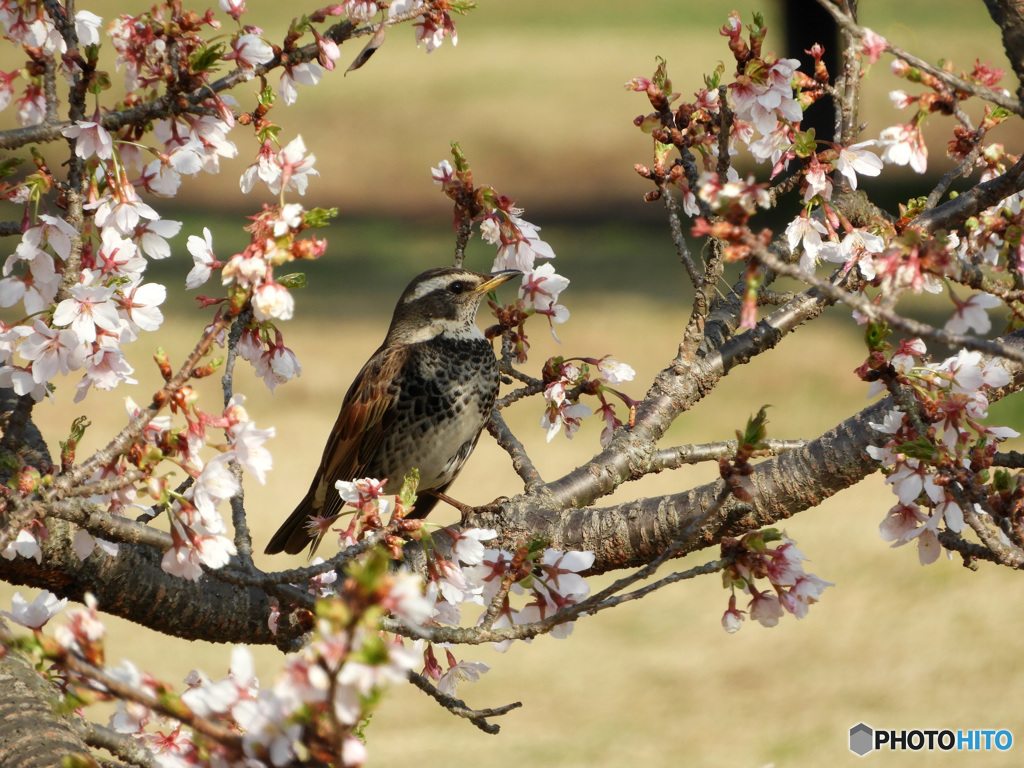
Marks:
<point>421,401</point>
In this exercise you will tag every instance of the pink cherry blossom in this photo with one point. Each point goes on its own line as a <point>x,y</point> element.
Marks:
<point>856,159</point>
<point>904,145</point>
<point>249,51</point>
<point>201,249</point>
<point>806,231</point>
<point>52,350</point>
<point>971,313</point>
<point>92,139</point>
<point>235,8</point>
<point>272,302</point>
<point>35,614</point>
<point>90,307</point>
<point>307,73</point>
<point>247,442</point>
<point>873,45</point>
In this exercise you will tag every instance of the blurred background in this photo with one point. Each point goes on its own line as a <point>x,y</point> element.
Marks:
<point>533,92</point>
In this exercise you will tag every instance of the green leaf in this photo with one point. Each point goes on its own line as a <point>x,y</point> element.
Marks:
<point>461,163</point>
<point>921,449</point>
<point>756,431</point>
<point>206,57</point>
<point>9,165</point>
<point>875,335</point>
<point>409,485</point>
<point>660,78</point>
<point>293,280</point>
<point>320,217</point>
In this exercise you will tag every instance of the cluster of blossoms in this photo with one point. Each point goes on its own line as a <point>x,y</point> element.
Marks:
<point>463,571</point>
<point>935,475</point>
<point>767,97</point>
<point>460,571</point>
<point>751,558</point>
<point>564,382</point>
<point>312,708</point>
<point>519,246</point>
<point>198,531</point>
<point>328,689</point>
<point>83,290</point>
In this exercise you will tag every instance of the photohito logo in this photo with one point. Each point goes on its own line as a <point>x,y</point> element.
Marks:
<point>865,739</point>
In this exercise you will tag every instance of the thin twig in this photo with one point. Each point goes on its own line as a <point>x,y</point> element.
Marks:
<point>124,439</point>
<point>458,707</point>
<point>951,80</point>
<point>876,312</point>
<point>521,461</point>
<point>676,229</point>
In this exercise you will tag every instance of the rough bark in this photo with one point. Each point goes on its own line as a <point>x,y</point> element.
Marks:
<point>32,734</point>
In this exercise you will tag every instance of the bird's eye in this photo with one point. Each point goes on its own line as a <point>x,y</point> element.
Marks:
<point>457,287</point>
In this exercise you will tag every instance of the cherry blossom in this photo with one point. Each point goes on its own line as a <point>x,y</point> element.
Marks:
<point>360,493</point>
<point>249,51</point>
<point>51,231</point>
<point>91,307</point>
<point>468,671</point>
<point>272,302</point>
<point>37,288</point>
<point>361,10</point>
<point>856,248</point>
<point>233,7</point>
<point>249,451</point>
<point>307,73</point>
<point>904,145</point>
<point>856,159</point>
<point>92,139</point>
<point>105,367</point>
<point>522,252</point>
<point>614,372</point>
<point>52,351</point>
<point>34,615</point>
<point>23,545</point>
<point>540,290</point>
<point>32,106</point>
<point>6,88</point>
<point>122,212</point>
<point>152,237</point>
<point>732,619</point>
<point>818,184</point>
<point>971,313</point>
<point>873,45</point>
<point>201,249</point>
<point>806,231</point>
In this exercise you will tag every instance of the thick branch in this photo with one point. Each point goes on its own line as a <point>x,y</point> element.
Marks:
<point>1009,15</point>
<point>634,533</point>
<point>953,213</point>
<point>31,733</point>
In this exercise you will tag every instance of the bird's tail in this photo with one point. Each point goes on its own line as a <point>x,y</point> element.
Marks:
<point>294,536</point>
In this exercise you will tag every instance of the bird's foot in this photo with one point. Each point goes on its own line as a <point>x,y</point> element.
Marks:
<point>465,509</point>
<point>485,509</point>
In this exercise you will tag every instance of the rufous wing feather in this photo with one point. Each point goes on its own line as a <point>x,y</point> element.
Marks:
<point>365,416</point>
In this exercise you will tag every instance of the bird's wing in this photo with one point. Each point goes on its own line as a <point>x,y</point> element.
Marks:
<point>366,415</point>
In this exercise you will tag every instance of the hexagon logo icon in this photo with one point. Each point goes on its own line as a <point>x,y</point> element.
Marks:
<point>861,739</point>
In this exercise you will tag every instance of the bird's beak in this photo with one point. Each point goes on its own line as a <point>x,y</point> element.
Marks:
<point>497,279</point>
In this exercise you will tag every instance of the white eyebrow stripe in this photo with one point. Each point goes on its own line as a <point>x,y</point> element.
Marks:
<point>428,287</point>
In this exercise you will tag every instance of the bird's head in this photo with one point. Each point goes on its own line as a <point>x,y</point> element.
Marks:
<point>443,301</point>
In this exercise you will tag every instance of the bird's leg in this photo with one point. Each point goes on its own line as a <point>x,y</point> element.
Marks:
<point>465,509</point>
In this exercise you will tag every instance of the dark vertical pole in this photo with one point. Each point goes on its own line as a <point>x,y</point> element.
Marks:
<point>807,23</point>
